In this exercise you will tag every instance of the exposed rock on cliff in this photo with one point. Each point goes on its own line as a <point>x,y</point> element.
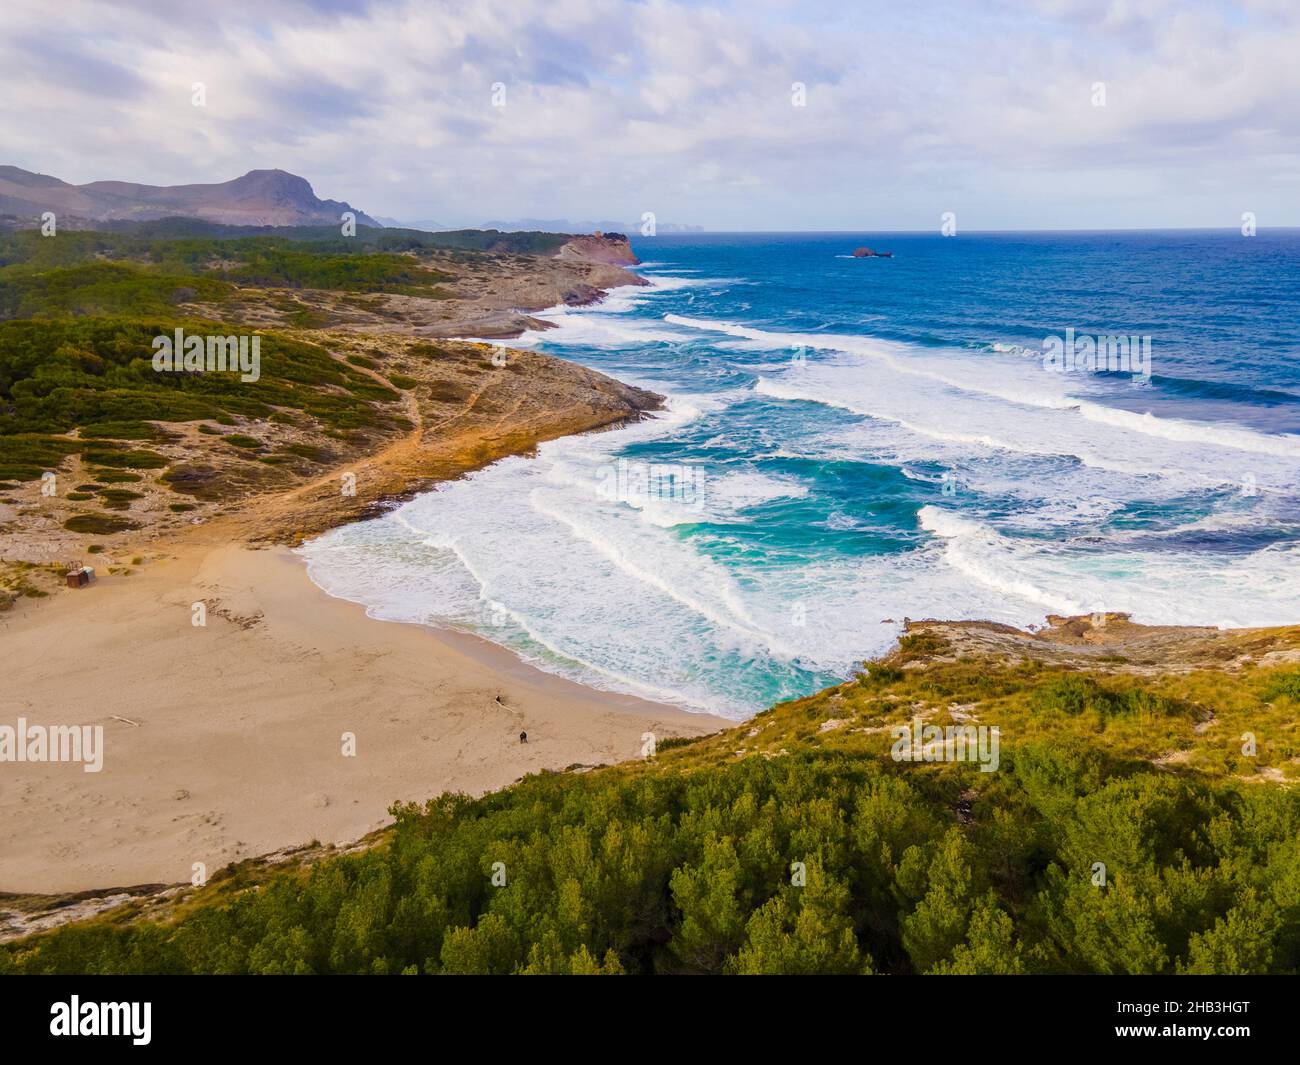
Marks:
<point>612,248</point>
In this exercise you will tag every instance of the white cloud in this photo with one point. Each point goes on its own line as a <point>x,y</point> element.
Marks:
<point>618,107</point>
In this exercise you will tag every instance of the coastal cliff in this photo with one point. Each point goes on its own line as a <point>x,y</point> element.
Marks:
<point>611,248</point>
<point>492,294</point>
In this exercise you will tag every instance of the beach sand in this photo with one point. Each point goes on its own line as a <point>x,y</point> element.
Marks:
<point>225,741</point>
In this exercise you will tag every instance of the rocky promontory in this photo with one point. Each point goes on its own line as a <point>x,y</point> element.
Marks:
<point>612,248</point>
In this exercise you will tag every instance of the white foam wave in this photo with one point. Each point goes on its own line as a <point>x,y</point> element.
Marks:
<point>986,422</point>
<point>1167,588</point>
<point>662,600</point>
<point>1013,381</point>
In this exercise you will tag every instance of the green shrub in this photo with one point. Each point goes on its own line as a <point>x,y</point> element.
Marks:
<point>138,459</point>
<point>1074,694</point>
<point>124,430</point>
<point>309,452</point>
<point>100,524</point>
<point>1283,686</point>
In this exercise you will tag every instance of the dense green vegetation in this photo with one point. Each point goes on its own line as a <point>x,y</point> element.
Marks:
<point>531,242</point>
<point>376,272</point>
<point>95,374</point>
<point>133,288</point>
<point>687,863</point>
<point>484,240</point>
<point>79,312</point>
<point>310,257</point>
<point>99,288</point>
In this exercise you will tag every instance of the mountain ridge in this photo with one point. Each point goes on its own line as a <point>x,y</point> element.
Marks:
<point>260,197</point>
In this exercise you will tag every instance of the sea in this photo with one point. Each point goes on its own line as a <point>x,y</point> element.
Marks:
<point>992,426</point>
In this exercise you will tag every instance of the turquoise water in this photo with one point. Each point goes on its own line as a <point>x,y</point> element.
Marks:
<point>852,442</point>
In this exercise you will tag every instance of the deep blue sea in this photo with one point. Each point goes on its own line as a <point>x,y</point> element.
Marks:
<point>849,442</point>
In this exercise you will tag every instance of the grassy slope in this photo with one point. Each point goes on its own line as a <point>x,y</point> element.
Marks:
<point>76,332</point>
<point>684,863</point>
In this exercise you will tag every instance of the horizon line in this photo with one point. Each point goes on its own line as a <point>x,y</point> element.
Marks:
<point>931,232</point>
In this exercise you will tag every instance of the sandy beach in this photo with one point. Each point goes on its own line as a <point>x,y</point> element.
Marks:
<point>226,741</point>
<point>289,717</point>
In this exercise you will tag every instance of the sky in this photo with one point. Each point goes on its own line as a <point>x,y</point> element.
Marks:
<point>1011,114</point>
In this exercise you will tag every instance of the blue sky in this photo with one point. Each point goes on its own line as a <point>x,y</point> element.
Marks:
<point>612,108</point>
